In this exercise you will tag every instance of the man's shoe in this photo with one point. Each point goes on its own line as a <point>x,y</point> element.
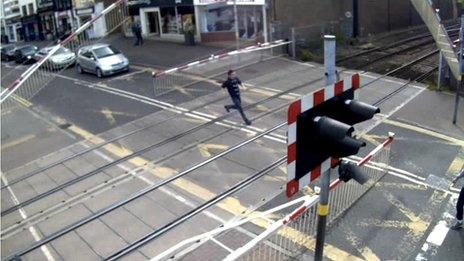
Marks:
<point>457,226</point>
<point>247,122</point>
<point>227,108</point>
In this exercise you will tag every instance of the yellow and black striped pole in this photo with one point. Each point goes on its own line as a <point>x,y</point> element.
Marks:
<point>322,213</point>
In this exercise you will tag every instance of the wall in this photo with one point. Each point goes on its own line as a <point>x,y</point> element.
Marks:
<point>376,16</point>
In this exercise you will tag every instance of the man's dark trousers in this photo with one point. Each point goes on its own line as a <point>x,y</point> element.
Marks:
<point>139,40</point>
<point>460,205</point>
<point>238,106</point>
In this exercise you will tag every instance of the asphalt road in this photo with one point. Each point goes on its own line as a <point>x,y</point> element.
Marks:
<point>120,104</point>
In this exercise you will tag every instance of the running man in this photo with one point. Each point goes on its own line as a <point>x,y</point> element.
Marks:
<point>232,84</point>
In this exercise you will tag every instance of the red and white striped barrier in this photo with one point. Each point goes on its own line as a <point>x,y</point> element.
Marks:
<point>13,86</point>
<point>216,57</point>
<point>295,109</point>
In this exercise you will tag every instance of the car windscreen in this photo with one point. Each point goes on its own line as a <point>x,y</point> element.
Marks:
<point>7,48</point>
<point>62,50</point>
<point>28,49</point>
<point>105,51</point>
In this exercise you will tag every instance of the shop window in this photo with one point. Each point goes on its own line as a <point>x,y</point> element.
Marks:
<point>174,19</point>
<point>186,14</point>
<point>169,20</point>
<point>220,19</point>
<point>31,8</point>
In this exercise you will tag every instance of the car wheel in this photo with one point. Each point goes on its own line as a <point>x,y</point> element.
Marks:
<point>99,73</point>
<point>79,69</point>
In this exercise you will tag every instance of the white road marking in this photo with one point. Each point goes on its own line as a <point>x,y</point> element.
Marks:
<point>177,109</point>
<point>35,234</point>
<point>438,234</point>
<point>368,75</point>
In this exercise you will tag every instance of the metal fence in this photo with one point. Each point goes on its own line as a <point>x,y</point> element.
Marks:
<point>208,69</point>
<point>284,232</point>
<point>38,75</point>
<point>297,237</point>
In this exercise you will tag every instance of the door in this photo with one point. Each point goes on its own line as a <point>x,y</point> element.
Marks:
<point>153,22</point>
<point>86,61</point>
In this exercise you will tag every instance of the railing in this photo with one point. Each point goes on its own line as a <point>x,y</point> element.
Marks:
<point>208,70</point>
<point>284,234</point>
<point>38,75</point>
<point>432,20</point>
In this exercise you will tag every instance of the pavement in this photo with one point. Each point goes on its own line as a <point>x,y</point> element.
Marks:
<point>96,111</point>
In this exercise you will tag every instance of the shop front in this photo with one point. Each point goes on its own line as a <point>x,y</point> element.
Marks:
<point>98,28</point>
<point>32,28</point>
<point>14,30</point>
<point>46,13</point>
<point>164,19</point>
<point>216,20</point>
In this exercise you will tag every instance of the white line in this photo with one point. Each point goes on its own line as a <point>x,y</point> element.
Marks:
<point>177,109</point>
<point>367,74</point>
<point>32,229</point>
<point>438,234</point>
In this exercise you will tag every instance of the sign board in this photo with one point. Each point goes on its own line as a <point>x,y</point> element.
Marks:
<point>84,11</point>
<point>229,2</point>
<point>297,176</point>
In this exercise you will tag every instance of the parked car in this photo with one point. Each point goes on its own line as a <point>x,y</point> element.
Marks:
<point>8,52</point>
<point>25,54</point>
<point>101,59</point>
<point>62,58</point>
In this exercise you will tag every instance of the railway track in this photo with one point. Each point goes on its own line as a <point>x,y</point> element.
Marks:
<point>47,213</point>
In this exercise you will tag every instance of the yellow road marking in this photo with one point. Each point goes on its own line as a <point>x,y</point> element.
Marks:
<point>401,185</point>
<point>109,116</point>
<point>371,138</point>
<point>205,148</point>
<point>365,251</point>
<point>416,225</point>
<point>457,165</point>
<point>17,141</point>
<point>22,101</point>
<point>230,204</point>
<point>368,254</point>
<point>425,131</point>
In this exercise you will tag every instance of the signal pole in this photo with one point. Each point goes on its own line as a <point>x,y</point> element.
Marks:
<point>323,207</point>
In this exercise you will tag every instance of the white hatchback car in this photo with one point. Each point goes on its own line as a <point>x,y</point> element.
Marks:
<point>101,59</point>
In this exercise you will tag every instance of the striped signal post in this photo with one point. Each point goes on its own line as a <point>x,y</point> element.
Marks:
<point>320,133</point>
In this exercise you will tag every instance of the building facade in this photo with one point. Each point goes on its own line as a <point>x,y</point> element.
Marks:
<point>12,20</point>
<point>213,20</point>
<point>86,10</point>
<point>30,21</point>
<point>56,17</point>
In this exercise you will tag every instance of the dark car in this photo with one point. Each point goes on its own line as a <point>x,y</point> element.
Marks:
<point>25,54</point>
<point>8,52</point>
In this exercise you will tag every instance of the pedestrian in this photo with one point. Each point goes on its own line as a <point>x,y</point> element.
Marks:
<point>137,31</point>
<point>459,204</point>
<point>232,84</point>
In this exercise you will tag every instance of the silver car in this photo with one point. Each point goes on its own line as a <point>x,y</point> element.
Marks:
<point>101,59</point>
<point>62,58</point>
